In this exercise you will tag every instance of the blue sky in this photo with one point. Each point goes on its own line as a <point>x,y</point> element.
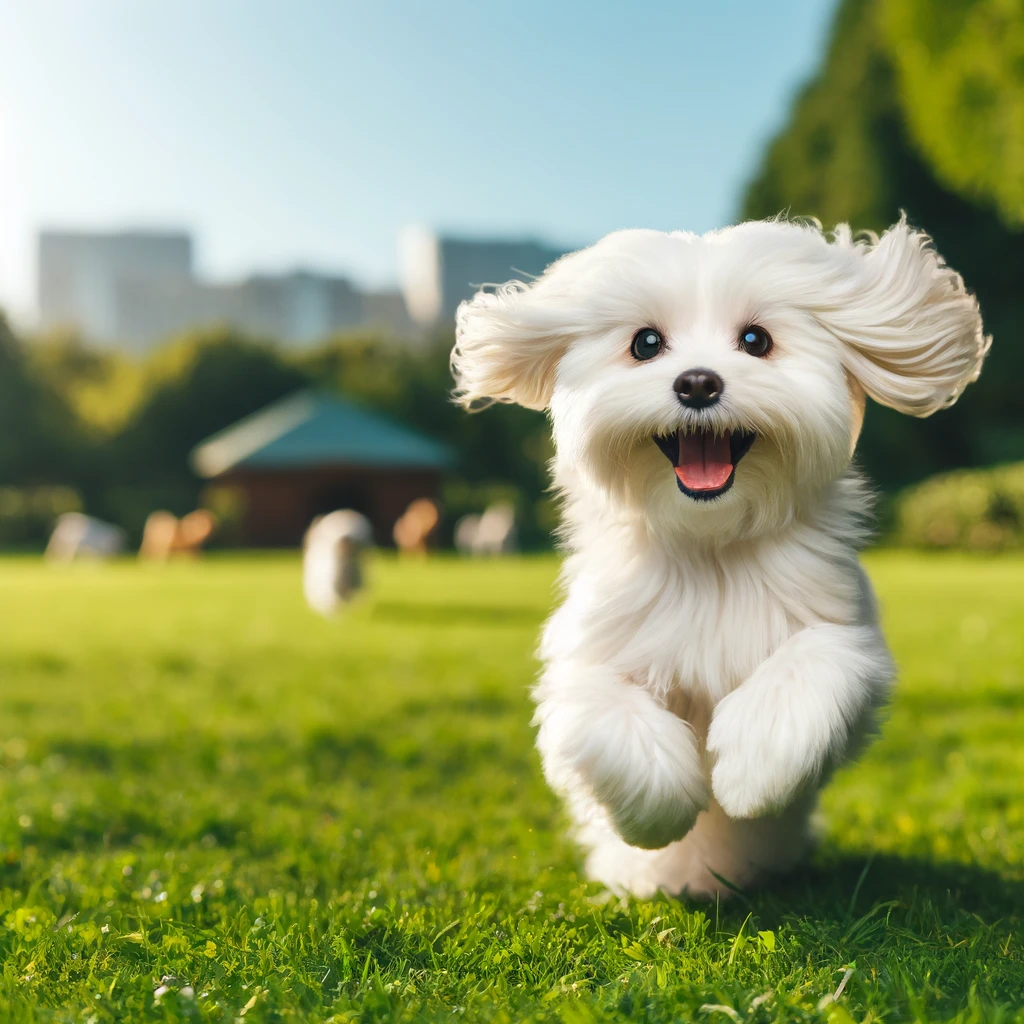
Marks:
<point>299,132</point>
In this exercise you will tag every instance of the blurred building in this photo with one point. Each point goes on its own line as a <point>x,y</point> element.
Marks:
<point>439,271</point>
<point>312,453</point>
<point>85,278</point>
<point>298,307</point>
<point>133,289</point>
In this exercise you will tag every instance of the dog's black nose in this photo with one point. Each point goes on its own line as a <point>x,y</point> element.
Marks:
<point>698,388</point>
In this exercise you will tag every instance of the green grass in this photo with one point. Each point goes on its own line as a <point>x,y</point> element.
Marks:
<point>214,806</point>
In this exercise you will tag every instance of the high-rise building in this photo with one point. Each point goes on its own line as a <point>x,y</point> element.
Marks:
<point>439,271</point>
<point>297,307</point>
<point>86,278</point>
<point>133,289</point>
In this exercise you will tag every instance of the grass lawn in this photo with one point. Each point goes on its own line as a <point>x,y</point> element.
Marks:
<point>214,806</point>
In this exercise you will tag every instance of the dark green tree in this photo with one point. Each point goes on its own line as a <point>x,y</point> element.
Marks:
<point>847,154</point>
<point>38,439</point>
<point>960,75</point>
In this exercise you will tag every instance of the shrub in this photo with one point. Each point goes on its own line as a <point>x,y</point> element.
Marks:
<point>979,509</point>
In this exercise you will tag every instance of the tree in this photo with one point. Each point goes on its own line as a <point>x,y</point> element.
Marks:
<point>960,77</point>
<point>38,443</point>
<point>847,154</point>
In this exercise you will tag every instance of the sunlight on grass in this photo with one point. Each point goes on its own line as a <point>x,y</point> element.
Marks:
<point>214,805</point>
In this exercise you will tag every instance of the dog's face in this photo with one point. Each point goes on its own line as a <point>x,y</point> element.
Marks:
<point>714,384</point>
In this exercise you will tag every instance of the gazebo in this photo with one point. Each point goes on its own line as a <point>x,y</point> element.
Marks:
<point>312,453</point>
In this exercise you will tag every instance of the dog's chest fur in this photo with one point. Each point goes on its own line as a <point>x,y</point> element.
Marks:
<point>678,616</point>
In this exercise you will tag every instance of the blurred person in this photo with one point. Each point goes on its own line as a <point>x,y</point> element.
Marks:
<point>492,533</point>
<point>496,531</point>
<point>415,529</point>
<point>165,536</point>
<point>77,536</point>
<point>464,534</point>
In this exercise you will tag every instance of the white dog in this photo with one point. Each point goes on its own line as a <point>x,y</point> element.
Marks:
<point>332,557</point>
<point>718,652</point>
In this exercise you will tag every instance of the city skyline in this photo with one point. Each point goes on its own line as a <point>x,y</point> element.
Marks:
<point>132,290</point>
<point>283,141</point>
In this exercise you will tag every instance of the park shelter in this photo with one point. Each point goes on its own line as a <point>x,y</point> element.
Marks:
<point>312,453</point>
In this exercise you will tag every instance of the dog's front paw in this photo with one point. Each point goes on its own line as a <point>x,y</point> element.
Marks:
<point>761,763</point>
<point>618,745</point>
<point>649,782</point>
<point>654,816</point>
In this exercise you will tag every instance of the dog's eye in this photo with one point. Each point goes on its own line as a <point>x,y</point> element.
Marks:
<point>647,343</point>
<point>755,341</point>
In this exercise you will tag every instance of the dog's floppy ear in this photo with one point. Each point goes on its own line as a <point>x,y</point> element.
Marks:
<point>911,333</point>
<point>507,345</point>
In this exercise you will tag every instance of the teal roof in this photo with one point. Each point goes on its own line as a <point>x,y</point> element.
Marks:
<point>310,429</point>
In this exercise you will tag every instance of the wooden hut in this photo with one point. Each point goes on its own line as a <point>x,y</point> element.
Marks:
<point>312,453</point>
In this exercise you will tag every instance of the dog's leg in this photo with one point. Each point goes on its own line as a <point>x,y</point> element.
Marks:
<point>796,716</point>
<point>610,738</point>
<point>717,857</point>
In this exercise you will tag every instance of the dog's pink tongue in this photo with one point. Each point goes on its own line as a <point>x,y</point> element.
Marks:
<point>705,460</point>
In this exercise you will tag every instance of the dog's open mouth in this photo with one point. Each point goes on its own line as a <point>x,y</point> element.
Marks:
<point>705,461</point>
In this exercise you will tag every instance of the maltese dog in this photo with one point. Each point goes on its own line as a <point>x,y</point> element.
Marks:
<point>718,652</point>
<point>332,559</point>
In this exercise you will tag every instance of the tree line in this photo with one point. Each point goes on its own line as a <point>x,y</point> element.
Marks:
<point>118,431</point>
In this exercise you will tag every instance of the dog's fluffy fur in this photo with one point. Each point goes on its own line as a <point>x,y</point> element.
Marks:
<point>714,660</point>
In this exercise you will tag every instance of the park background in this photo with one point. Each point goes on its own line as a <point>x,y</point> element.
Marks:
<point>916,107</point>
<point>213,806</point>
